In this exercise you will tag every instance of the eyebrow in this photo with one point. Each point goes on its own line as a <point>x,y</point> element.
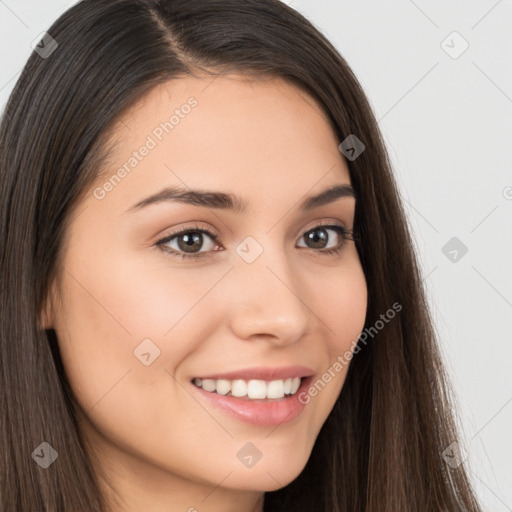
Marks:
<point>224,201</point>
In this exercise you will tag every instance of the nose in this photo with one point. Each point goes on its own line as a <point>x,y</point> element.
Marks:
<point>268,300</point>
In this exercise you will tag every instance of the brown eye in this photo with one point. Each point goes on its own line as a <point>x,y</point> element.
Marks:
<point>319,238</point>
<point>187,243</point>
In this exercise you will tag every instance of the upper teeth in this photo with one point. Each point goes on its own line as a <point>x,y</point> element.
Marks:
<point>251,388</point>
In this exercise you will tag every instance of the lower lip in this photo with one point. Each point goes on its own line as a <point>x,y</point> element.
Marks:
<point>259,412</point>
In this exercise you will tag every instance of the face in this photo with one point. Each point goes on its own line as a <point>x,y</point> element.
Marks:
<point>154,293</point>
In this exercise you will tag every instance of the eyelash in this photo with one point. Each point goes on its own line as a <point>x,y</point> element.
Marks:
<point>346,235</point>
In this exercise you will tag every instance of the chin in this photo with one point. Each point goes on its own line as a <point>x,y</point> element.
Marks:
<point>266,477</point>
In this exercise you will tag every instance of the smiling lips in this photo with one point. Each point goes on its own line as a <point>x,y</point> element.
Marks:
<point>252,389</point>
<point>256,382</point>
<point>256,406</point>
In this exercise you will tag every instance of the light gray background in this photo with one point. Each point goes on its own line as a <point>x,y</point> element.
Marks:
<point>448,126</point>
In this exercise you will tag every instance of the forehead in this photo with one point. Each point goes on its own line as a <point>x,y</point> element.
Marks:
<point>264,136</point>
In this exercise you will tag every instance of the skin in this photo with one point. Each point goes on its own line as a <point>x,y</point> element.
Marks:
<point>160,447</point>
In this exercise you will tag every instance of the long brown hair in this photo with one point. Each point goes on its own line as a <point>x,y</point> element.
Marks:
<point>381,448</point>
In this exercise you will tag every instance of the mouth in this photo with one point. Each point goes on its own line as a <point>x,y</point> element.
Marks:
<point>255,401</point>
<point>252,389</point>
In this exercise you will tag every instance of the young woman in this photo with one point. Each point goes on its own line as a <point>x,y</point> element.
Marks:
<point>210,299</point>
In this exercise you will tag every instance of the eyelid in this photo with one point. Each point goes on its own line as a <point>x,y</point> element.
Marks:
<point>213,234</point>
<point>322,223</point>
<point>196,226</point>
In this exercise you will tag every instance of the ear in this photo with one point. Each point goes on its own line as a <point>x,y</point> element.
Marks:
<point>46,315</point>
<point>45,321</point>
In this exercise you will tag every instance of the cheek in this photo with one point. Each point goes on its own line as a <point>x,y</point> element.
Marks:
<point>107,311</point>
<point>112,314</point>
<point>341,306</point>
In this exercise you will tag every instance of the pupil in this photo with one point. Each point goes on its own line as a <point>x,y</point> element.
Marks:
<point>322,237</point>
<point>189,241</point>
<point>318,237</point>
